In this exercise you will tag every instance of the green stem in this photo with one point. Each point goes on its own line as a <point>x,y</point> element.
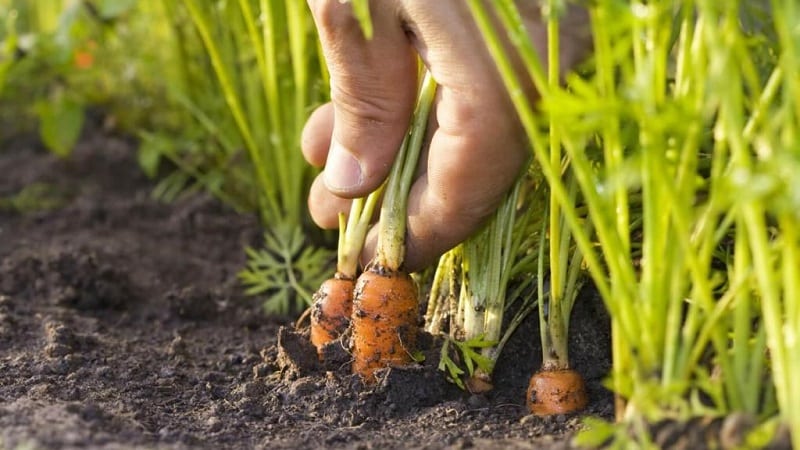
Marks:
<point>556,288</point>
<point>392,227</point>
<point>272,208</point>
<point>353,232</point>
<point>297,21</point>
<point>497,269</point>
<point>527,117</point>
<point>611,140</point>
<point>438,300</point>
<point>557,356</point>
<point>789,333</point>
<point>267,56</point>
<point>544,333</point>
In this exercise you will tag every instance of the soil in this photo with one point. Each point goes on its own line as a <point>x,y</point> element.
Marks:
<point>123,325</point>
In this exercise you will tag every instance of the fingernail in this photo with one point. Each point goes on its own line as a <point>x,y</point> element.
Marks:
<point>342,170</point>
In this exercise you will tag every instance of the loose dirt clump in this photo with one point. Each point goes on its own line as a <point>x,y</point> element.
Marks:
<point>122,325</point>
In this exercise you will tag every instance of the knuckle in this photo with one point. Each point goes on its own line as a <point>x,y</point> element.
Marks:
<point>368,107</point>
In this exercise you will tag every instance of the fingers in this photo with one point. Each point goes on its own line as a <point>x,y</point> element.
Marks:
<point>324,206</point>
<point>316,138</point>
<point>467,174</point>
<point>373,87</point>
<point>476,146</point>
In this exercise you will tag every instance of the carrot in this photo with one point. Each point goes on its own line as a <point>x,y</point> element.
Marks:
<point>385,306</point>
<point>556,391</point>
<point>384,320</point>
<point>333,301</point>
<point>330,314</point>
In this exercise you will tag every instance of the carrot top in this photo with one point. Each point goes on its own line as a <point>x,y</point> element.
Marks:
<point>353,232</point>
<point>392,231</point>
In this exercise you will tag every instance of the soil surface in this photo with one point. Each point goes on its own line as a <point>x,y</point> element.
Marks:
<point>123,325</point>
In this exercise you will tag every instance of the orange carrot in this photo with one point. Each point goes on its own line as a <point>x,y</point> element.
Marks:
<point>385,307</point>
<point>330,314</point>
<point>556,391</point>
<point>385,313</point>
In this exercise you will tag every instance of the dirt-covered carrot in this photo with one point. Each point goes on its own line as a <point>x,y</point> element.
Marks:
<point>386,302</point>
<point>333,302</point>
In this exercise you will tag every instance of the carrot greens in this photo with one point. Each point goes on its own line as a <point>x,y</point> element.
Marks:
<point>267,73</point>
<point>688,183</point>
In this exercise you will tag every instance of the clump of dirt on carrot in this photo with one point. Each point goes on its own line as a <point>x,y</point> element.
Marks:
<point>333,301</point>
<point>386,302</point>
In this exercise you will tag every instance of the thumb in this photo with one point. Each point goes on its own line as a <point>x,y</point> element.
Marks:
<point>373,86</point>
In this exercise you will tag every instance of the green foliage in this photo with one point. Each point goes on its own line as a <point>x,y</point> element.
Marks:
<point>469,291</point>
<point>61,57</point>
<point>60,124</point>
<point>598,433</point>
<point>696,120</point>
<point>34,197</point>
<point>242,77</point>
<point>112,9</point>
<point>286,270</point>
<point>466,354</point>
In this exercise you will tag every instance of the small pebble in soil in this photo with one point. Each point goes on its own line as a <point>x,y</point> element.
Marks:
<point>177,347</point>
<point>213,424</point>
<point>60,339</point>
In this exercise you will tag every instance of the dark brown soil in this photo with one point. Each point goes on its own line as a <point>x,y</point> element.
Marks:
<point>122,325</point>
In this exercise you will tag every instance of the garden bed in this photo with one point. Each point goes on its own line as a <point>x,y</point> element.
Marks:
<point>123,325</point>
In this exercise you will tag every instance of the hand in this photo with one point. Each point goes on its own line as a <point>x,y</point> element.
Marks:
<point>475,146</point>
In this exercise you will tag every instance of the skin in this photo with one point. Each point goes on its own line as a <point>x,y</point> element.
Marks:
<point>475,145</point>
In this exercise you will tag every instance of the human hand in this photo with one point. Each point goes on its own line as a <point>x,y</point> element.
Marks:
<point>475,144</point>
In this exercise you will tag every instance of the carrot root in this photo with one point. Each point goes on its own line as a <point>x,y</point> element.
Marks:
<point>384,321</point>
<point>330,314</point>
<point>557,391</point>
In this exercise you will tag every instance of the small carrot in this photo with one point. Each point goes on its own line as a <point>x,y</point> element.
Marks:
<point>556,390</point>
<point>330,314</point>
<point>386,302</point>
<point>333,302</point>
